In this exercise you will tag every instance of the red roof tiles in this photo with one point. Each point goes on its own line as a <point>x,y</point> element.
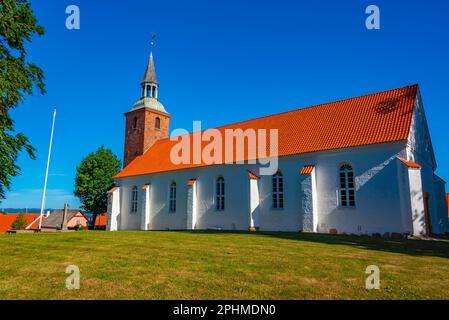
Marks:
<point>253,176</point>
<point>410,163</point>
<point>7,219</point>
<point>307,170</point>
<point>370,119</point>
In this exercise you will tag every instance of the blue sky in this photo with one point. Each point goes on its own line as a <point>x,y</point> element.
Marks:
<point>218,62</point>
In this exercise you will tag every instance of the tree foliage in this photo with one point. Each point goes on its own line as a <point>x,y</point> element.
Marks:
<point>20,222</point>
<point>94,177</point>
<point>18,77</point>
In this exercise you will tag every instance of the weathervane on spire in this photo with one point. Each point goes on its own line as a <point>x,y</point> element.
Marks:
<point>153,37</point>
<point>149,83</point>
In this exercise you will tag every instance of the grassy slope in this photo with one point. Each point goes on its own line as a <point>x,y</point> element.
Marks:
<point>217,265</point>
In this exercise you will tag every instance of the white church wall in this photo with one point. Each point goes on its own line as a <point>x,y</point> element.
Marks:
<point>192,206</point>
<point>235,216</point>
<point>378,206</point>
<point>162,218</point>
<point>290,217</point>
<point>417,202</point>
<point>307,203</point>
<point>254,201</point>
<point>420,150</point>
<point>405,196</point>
<point>145,214</point>
<point>113,216</point>
<point>314,202</point>
<point>128,220</point>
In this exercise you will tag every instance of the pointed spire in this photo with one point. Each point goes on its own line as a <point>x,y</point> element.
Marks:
<point>149,84</point>
<point>150,72</point>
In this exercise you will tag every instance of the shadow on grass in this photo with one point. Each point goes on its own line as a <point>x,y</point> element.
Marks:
<point>402,246</point>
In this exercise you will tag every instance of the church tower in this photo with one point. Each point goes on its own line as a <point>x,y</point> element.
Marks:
<point>147,121</point>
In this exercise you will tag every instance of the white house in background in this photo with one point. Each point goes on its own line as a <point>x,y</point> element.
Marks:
<point>362,165</point>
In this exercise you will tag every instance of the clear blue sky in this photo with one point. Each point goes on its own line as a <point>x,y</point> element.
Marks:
<point>219,62</point>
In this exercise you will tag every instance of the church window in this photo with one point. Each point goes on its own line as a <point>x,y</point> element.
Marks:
<point>135,123</point>
<point>278,191</point>
<point>172,199</point>
<point>157,123</point>
<point>134,196</point>
<point>347,189</point>
<point>220,194</point>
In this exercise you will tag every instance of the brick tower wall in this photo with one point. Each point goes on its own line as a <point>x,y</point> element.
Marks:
<point>144,134</point>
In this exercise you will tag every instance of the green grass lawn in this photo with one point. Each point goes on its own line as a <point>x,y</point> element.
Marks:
<point>219,265</point>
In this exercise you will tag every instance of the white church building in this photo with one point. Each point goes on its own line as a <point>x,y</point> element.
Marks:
<point>363,165</point>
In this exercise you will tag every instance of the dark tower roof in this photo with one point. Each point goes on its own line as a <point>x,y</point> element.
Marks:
<point>150,72</point>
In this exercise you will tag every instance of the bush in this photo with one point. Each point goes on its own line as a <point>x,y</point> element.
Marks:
<point>20,222</point>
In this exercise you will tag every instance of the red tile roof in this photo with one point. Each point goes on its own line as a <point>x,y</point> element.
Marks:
<point>253,176</point>
<point>307,170</point>
<point>410,163</point>
<point>101,220</point>
<point>6,220</point>
<point>370,119</point>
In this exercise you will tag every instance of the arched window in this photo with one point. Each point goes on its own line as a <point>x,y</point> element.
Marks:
<point>134,197</point>
<point>278,191</point>
<point>347,190</point>
<point>135,123</point>
<point>157,123</point>
<point>172,199</point>
<point>220,194</point>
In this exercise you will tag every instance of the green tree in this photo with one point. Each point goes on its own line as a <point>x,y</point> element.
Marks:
<point>94,177</point>
<point>18,77</point>
<point>20,222</point>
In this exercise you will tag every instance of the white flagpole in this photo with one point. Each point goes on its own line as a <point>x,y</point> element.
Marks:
<point>46,172</point>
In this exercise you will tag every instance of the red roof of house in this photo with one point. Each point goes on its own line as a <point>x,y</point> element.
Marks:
<point>7,219</point>
<point>370,119</point>
<point>101,220</point>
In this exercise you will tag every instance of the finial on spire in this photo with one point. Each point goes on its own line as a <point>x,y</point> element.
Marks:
<point>149,83</point>
<point>150,72</point>
<point>152,42</point>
